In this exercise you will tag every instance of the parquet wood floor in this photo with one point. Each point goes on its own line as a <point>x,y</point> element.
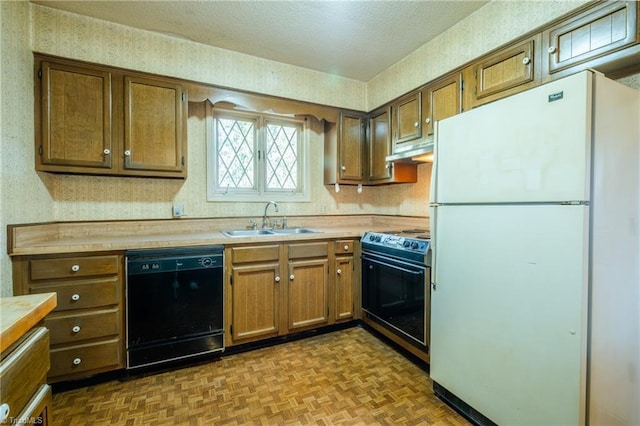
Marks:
<point>348,377</point>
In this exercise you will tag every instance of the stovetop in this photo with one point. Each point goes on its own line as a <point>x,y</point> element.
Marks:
<point>411,243</point>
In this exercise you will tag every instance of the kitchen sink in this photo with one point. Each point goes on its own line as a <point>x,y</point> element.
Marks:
<point>265,232</point>
<point>295,231</point>
<point>247,232</point>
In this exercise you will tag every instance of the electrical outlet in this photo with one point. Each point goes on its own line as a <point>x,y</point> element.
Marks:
<point>178,210</point>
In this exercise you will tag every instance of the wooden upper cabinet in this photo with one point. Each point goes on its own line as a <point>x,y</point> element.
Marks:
<point>598,31</point>
<point>504,72</point>
<point>379,145</point>
<point>154,139</point>
<point>442,99</point>
<point>73,118</point>
<point>344,149</point>
<point>92,119</point>
<point>407,120</point>
<point>351,154</point>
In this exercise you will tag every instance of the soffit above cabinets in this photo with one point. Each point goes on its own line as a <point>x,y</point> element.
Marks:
<point>352,39</point>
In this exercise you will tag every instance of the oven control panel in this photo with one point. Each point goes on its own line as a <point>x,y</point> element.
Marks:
<point>397,242</point>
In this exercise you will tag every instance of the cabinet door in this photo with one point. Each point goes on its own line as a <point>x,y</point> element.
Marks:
<point>502,73</point>
<point>442,100</point>
<point>254,301</point>
<point>155,121</point>
<point>407,120</point>
<point>75,129</point>
<point>308,305</point>
<point>351,147</point>
<point>596,32</point>
<point>344,300</point>
<point>379,145</point>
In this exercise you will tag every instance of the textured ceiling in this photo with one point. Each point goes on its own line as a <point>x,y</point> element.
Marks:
<point>353,39</point>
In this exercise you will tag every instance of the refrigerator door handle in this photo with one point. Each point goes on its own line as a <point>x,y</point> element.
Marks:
<point>433,226</point>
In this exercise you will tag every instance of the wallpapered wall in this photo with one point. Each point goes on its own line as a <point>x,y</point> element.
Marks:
<point>27,196</point>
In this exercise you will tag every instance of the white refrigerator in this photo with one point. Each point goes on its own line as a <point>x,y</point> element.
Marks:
<point>535,222</point>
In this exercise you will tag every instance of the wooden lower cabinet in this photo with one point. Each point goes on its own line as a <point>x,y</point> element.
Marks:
<point>87,326</point>
<point>307,299</point>
<point>277,289</point>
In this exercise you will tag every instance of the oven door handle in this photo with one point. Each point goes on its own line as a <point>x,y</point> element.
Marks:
<point>420,272</point>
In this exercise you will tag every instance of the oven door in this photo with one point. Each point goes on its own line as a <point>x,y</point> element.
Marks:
<point>393,291</point>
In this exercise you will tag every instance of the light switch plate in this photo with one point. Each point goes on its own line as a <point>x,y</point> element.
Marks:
<point>178,210</point>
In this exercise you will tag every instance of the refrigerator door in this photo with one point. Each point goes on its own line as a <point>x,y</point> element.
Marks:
<point>530,147</point>
<point>508,315</point>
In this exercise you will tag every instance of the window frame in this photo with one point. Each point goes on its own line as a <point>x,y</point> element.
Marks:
<point>258,193</point>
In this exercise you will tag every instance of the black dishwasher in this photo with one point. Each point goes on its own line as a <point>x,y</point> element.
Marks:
<point>174,304</point>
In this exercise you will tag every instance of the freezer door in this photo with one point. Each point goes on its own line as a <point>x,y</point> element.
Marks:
<point>508,313</point>
<point>530,147</point>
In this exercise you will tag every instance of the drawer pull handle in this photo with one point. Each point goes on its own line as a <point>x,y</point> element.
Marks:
<point>346,247</point>
<point>76,328</point>
<point>4,412</point>
<point>75,297</point>
<point>77,361</point>
<point>277,278</point>
<point>291,277</point>
<point>75,268</point>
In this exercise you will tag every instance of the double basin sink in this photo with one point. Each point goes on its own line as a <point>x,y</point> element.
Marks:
<point>266,232</point>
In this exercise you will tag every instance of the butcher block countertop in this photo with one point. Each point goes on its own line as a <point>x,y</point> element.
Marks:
<point>80,237</point>
<point>18,314</point>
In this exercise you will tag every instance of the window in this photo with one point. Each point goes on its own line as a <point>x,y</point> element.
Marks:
<point>256,157</point>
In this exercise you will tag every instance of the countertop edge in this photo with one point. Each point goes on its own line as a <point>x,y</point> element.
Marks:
<point>18,314</point>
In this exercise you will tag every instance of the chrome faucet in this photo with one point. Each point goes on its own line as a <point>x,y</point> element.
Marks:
<point>265,219</point>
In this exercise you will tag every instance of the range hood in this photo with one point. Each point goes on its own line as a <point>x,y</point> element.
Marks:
<point>416,154</point>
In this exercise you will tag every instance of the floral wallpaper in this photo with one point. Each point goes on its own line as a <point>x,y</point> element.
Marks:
<point>28,197</point>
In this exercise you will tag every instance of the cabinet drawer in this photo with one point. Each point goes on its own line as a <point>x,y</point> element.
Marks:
<point>24,370</point>
<point>82,358</point>
<point>83,294</point>
<point>255,254</point>
<point>302,250</point>
<point>71,267</point>
<point>343,247</point>
<point>65,328</point>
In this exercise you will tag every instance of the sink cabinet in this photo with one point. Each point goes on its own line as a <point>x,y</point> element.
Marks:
<point>87,326</point>
<point>278,289</point>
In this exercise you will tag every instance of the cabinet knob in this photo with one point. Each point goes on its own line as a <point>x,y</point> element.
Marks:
<point>127,153</point>
<point>526,60</point>
<point>291,277</point>
<point>75,297</point>
<point>339,271</point>
<point>106,151</point>
<point>77,361</point>
<point>76,328</point>
<point>277,278</point>
<point>416,124</point>
<point>427,120</point>
<point>551,49</point>
<point>75,268</point>
<point>346,247</point>
<point>343,168</point>
<point>4,412</point>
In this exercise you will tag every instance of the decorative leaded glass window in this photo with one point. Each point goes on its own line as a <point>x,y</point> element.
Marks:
<point>255,157</point>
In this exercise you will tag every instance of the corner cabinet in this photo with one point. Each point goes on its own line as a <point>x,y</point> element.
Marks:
<point>278,289</point>
<point>87,326</point>
<point>92,119</point>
